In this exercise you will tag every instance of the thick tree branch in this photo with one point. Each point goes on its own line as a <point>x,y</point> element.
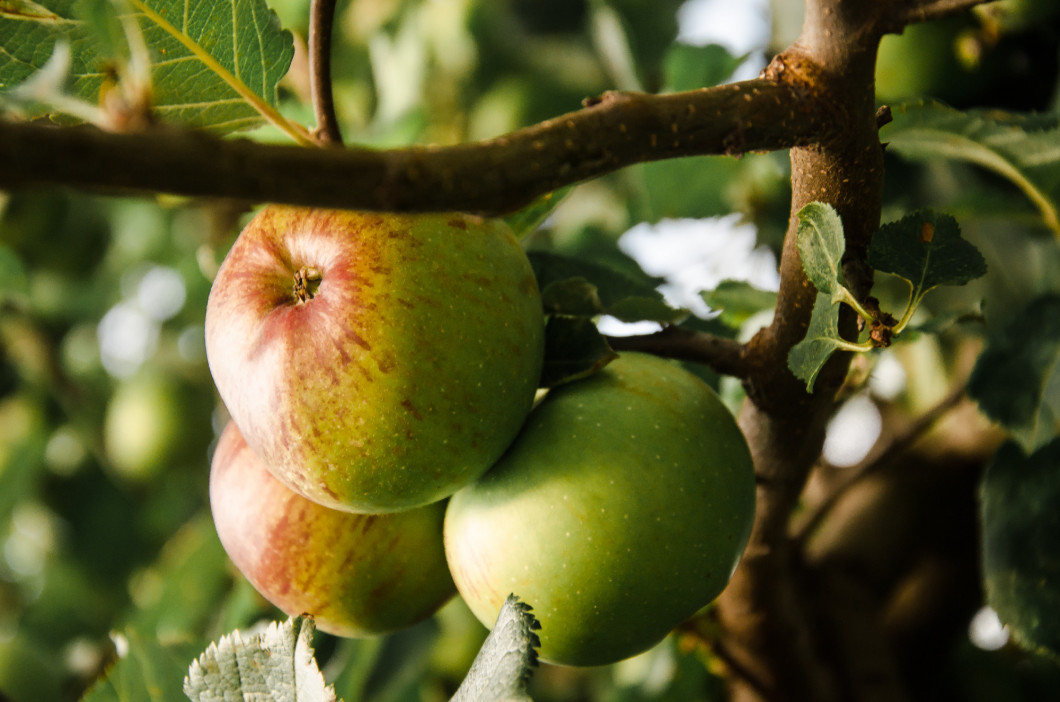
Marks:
<point>723,355</point>
<point>321,19</point>
<point>490,177</point>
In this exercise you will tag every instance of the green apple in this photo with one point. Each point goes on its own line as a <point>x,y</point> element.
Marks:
<point>153,421</point>
<point>620,510</point>
<point>357,574</point>
<point>375,362</point>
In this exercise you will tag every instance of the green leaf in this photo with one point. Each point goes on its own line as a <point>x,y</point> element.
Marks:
<point>179,594</point>
<point>926,249</point>
<point>1023,149</point>
<point>673,188</point>
<point>821,246</point>
<point>738,301</point>
<point>688,67</point>
<point>277,664</point>
<point>807,358</point>
<point>1016,379</point>
<point>1020,503</point>
<point>145,670</point>
<point>532,216</point>
<point>574,287</point>
<point>506,660</point>
<point>574,348</point>
<point>214,64</point>
<point>25,10</point>
<point>13,281</point>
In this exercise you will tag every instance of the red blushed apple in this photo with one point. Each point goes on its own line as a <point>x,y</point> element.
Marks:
<point>357,574</point>
<point>375,362</point>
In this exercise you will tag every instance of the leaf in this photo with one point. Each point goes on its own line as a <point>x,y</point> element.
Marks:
<point>1020,505</point>
<point>807,358</point>
<point>178,595</point>
<point>1016,379</point>
<point>13,281</point>
<point>687,67</point>
<point>25,10</point>
<point>738,301</point>
<point>1023,149</point>
<point>573,287</point>
<point>277,664</point>
<point>145,670</point>
<point>821,246</point>
<point>215,63</point>
<point>574,349</point>
<point>532,216</point>
<point>926,249</point>
<point>506,661</point>
<point>673,188</point>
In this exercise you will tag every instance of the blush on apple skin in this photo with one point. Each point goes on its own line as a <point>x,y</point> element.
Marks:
<point>375,362</point>
<point>357,574</point>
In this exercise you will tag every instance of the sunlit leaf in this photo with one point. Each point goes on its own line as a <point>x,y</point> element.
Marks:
<point>1023,149</point>
<point>214,64</point>
<point>507,658</point>
<point>1016,380</point>
<point>926,249</point>
<point>821,246</point>
<point>277,665</point>
<point>1020,505</point>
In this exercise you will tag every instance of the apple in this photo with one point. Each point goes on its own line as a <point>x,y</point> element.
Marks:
<point>357,574</point>
<point>154,421</point>
<point>621,509</point>
<point>375,362</point>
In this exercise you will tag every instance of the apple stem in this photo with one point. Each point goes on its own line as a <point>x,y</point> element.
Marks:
<point>306,282</point>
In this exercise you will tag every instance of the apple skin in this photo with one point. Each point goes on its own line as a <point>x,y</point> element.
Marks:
<point>357,574</point>
<point>406,371</point>
<point>621,509</point>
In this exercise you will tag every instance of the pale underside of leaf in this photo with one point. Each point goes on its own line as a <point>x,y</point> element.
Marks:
<point>276,665</point>
<point>821,246</point>
<point>808,357</point>
<point>506,660</point>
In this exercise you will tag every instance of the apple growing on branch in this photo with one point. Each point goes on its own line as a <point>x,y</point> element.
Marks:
<point>620,510</point>
<point>375,362</point>
<point>356,574</point>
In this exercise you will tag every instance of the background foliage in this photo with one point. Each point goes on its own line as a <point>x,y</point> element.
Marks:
<point>108,558</point>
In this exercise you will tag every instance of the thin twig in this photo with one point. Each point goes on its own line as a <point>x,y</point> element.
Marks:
<point>937,9</point>
<point>321,19</point>
<point>741,671</point>
<point>898,446</point>
<point>490,177</point>
<point>723,355</point>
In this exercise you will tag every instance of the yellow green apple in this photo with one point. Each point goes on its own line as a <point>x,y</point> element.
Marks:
<point>375,362</point>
